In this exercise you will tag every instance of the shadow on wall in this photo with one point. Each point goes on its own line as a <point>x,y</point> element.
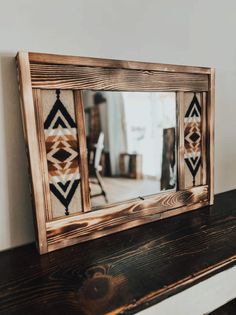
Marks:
<point>19,211</point>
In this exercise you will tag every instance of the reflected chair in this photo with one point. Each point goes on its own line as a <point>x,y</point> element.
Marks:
<point>95,167</point>
<point>168,159</point>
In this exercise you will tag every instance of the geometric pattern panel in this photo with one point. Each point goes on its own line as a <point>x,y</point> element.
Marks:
<point>192,139</point>
<point>60,132</point>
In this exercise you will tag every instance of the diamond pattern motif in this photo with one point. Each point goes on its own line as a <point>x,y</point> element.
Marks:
<point>62,153</point>
<point>192,137</point>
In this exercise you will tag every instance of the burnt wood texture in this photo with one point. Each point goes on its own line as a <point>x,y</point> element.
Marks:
<point>75,77</point>
<point>40,73</point>
<point>125,272</point>
<point>72,230</point>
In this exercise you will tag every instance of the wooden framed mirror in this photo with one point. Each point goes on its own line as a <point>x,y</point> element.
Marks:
<point>114,144</point>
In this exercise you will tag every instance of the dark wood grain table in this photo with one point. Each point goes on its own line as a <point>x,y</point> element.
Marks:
<point>125,272</point>
<point>227,309</point>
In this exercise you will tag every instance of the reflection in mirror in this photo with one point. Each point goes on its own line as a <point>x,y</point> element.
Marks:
<point>131,144</point>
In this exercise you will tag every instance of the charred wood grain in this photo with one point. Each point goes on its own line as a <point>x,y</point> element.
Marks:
<point>112,63</point>
<point>122,273</point>
<point>80,77</point>
<point>94,224</point>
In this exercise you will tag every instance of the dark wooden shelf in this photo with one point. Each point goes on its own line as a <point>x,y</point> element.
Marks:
<point>126,272</point>
<point>227,309</point>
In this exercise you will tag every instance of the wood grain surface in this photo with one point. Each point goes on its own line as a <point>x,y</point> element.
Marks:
<point>97,78</point>
<point>210,135</point>
<point>180,140</point>
<point>95,224</point>
<point>83,160</point>
<point>111,63</point>
<point>125,272</point>
<point>43,167</point>
<point>203,138</point>
<point>32,149</point>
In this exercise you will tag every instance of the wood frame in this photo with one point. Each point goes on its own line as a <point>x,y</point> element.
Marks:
<point>37,71</point>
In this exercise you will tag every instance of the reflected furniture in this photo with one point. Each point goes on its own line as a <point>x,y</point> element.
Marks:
<point>168,159</point>
<point>131,165</point>
<point>95,167</point>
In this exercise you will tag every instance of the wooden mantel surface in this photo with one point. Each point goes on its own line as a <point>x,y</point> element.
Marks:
<point>123,273</point>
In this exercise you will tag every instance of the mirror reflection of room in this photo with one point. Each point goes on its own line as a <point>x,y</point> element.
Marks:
<point>131,144</point>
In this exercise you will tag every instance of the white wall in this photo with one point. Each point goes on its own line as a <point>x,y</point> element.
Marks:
<point>194,32</point>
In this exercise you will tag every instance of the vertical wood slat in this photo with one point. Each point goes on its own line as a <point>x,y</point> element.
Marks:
<point>210,135</point>
<point>39,121</point>
<point>30,134</point>
<point>83,162</point>
<point>203,139</point>
<point>180,141</point>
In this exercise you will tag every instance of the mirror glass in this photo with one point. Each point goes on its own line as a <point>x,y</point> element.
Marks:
<point>131,144</point>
